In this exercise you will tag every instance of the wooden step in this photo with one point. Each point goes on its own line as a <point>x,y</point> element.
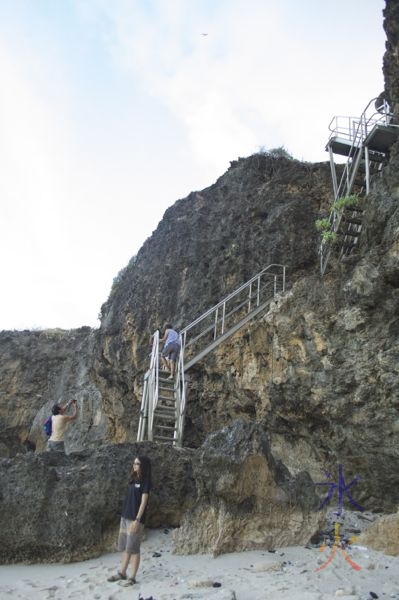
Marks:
<point>353,220</point>
<point>165,415</point>
<point>166,407</point>
<point>163,438</point>
<point>167,398</point>
<point>347,248</point>
<point>353,209</point>
<point>353,234</point>
<point>170,410</point>
<point>167,427</point>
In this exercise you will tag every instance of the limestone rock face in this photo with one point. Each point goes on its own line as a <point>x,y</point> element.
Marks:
<point>383,535</point>
<point>39,369</point>
<point>261,210</point>
<point>61,508</point>
<point>245,498</point>
<point>391,57</point>
<point>318,371</point>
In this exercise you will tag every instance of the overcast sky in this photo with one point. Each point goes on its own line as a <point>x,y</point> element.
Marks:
<point>111,110</point>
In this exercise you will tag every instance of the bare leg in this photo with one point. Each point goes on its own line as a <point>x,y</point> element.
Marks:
<point>124,563</point>
<point>134,564</point>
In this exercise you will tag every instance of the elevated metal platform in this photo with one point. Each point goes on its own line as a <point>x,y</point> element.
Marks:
<point>341,145</point>
<point>365,141</point>
<point>381,138</point>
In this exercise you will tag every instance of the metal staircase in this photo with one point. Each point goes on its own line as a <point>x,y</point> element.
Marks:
<point>163,402</point>
<point>365,141</point>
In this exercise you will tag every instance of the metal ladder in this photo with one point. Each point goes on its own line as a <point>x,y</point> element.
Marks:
<point>365,141</point>
<point>163,403</point>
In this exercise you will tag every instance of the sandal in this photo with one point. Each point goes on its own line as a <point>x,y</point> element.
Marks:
<point>129,582</point>
<point>116,577</point>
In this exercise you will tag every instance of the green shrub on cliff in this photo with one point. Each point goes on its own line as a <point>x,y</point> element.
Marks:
<point>324,225</point>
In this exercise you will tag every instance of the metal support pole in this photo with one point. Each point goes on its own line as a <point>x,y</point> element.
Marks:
<point>249,297</point>
<point>216,324</point>
<point>367,161</point>
<point>333,173</point>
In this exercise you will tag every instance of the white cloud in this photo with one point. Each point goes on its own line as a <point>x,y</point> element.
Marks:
<point>133,89</point>
<point>256,79</point>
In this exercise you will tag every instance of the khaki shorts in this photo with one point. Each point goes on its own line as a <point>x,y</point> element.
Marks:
<point>128,541</point>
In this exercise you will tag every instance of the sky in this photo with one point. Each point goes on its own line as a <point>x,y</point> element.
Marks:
<point>111,110</point>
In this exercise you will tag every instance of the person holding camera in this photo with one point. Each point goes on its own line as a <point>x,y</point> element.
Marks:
<point>59,423</point>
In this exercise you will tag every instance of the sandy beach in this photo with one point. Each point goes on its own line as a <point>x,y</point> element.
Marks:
<point>286,573</point>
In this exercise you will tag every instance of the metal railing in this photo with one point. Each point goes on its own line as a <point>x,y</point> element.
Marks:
<point>180,396</point>
<point>231,312</point>
<point>354,131</point>
<point>150,396</point>
<point>199,338</point>
<point>149,399</point>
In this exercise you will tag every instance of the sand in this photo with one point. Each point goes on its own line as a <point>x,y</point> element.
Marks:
<point>287,573</point>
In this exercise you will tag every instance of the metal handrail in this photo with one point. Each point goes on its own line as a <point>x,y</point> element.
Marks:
<point>143,411</point>
<point>356,132</point>
<point>363,122</point>
<point>254,302</point>
<point>180,395</point>
<point>222,304</point>
<point>225,316</point>
<point>153,384</point>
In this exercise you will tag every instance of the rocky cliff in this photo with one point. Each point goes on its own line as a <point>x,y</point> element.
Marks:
<point>319,371</point>
<point>261,211</point>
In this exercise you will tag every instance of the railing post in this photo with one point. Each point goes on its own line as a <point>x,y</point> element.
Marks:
<point>367,162</point>
<point>275,285</point>
<point>183,338</point>
<point>347,178</point>
<point>333,173</point>
<point>284,278</point>
<point>223,316</point>
<point>258,292</point>
<point>216,323</point>
<point>249,297</point>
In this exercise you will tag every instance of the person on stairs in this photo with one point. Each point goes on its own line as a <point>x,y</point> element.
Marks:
<point>133,519</point>
<point>171,349</point>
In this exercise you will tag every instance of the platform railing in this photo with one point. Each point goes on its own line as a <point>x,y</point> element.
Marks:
<point>354,130</point>
<point>149,398</point>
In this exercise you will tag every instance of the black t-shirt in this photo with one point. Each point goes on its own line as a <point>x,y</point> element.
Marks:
<point>131,506</point>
